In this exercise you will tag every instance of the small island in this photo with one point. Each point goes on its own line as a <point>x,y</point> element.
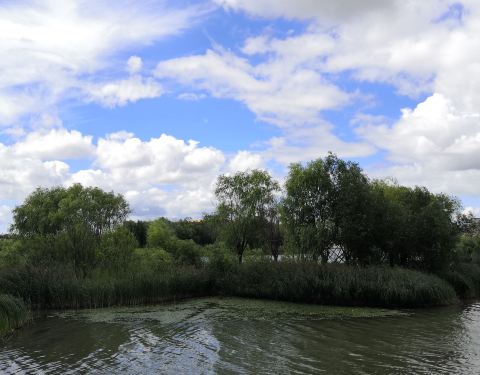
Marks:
<point>329,236</point>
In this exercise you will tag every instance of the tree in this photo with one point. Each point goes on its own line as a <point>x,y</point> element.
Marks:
<point>308,210</point>
<point>51,211</point>
<point>352,210</point>
<point>139,230</point>
<point>419,228</point>
<point>65,225</point>
<point>160,234</point>
<point>244,199</point>
<point>273,233</point>
<point>199,231</point>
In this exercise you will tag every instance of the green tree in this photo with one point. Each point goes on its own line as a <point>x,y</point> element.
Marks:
<point>160,234</point>
<point>309,209</point>
<point>50,211</point>
<point>65,225</point>
<point>199,231</point>
<point>244,199</point>
<point>353,211</point>
<point>139,230</point>
<point>420,230</point>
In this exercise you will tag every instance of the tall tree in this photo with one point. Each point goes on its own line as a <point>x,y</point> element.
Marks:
<point>308,210</point>
<point>244,199</point>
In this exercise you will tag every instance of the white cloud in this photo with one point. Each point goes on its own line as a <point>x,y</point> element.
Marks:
<point>311,142</point>
<point>339,10</point>
<point>54,144</point>
<point>245,160</point>
<point>134,64</point>
<point>122,92</point>
<point>284,96</point>
<point>428,48</point>
<point>191,96</point>
<point>52,48</point>
<point>160,176</point>
<point>20,174</point>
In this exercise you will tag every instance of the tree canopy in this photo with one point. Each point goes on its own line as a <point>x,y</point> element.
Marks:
<point>50,211</point>
<point>244,201</point>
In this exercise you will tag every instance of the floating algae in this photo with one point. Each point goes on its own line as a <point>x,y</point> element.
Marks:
<point>225,309</point>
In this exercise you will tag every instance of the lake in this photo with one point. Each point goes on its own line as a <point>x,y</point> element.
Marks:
<point>232,335</point>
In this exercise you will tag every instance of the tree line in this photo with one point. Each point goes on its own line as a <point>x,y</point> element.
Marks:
<point>327,234</point>
<point>327,210</point>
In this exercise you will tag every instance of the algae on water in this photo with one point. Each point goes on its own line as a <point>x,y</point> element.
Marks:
<point>222,309</point>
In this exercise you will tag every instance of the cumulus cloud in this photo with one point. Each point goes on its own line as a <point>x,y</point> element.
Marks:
<point>422,49</point>
<point>159,176</point>
<point>20,174</point>
<point>54,144</point>
<point>246,160</point>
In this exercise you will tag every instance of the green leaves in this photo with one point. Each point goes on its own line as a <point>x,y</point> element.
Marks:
<point>49,211</point>
<point>244,201</point>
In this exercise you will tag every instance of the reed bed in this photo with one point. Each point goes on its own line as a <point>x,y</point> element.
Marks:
<point>13,314</point>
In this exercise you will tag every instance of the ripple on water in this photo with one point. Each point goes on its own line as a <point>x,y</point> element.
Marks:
<point>244,336</point>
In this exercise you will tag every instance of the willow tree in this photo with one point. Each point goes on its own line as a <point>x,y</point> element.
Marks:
<point>327,205</point>
<point>65,225</point>
<point>244,201</point>
<point>54,210</point>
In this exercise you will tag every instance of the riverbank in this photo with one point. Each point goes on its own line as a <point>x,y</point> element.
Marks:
<point>299,282</point>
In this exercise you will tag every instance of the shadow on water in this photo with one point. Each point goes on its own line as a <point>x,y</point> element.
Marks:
<point>243,336</point>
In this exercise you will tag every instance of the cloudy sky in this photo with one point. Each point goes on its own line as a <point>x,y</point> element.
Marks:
<point>154,99</point>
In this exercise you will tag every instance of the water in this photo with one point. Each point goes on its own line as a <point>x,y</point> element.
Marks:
<point>228,336</point>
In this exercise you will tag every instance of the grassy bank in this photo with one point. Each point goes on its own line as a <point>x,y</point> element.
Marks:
<point>284,281</point>
<point>54,290</point>
<point>13,314</point>
<point>337,285</point>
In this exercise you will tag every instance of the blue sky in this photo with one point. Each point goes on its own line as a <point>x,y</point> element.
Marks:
<point>155,99</point>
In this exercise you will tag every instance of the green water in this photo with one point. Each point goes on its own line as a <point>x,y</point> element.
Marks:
<point>228,336</point>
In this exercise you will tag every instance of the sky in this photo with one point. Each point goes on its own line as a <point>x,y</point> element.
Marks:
<point>155,99</point>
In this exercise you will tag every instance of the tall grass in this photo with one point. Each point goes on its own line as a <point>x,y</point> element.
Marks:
<point>465,278</point>
<point>338,285</point>
<point>287,281</point>
<point>49,290</point>
<point>13,313</point>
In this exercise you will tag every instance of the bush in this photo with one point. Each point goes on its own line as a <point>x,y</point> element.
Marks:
<point>185,252</point>
<point>152,259</point>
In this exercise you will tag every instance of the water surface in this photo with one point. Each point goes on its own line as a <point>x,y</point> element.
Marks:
<point>229,336</point>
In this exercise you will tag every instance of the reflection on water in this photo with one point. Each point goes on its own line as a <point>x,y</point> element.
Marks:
<point>228,336</point>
